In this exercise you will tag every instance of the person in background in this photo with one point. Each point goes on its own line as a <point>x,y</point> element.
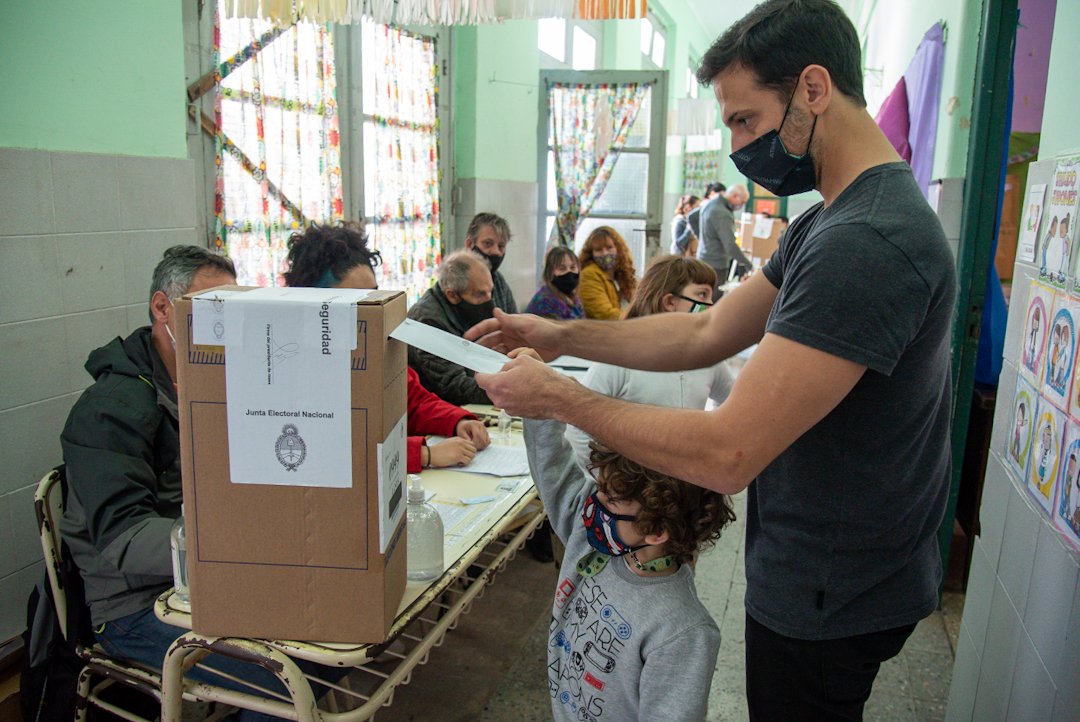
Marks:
<point>487,236</point>
<point>683,240</point>
<point>607,274</point>
<point>558,298</point>
<point>460,298</point>
<point>626,612</point>
<point>339,257</point>
<point>718,247</point>
<point>712,190</point>
<point>672,284</point>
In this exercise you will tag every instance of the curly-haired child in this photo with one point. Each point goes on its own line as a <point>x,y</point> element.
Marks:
<point>629,638</point>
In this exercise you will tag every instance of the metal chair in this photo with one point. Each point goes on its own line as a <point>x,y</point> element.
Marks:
<point>49,507</point>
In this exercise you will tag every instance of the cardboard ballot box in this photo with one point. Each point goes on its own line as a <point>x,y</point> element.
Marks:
<point>292,433</point>
<point>760,236</point>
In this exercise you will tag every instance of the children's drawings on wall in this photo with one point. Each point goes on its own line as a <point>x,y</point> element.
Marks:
<point>1060,353</point>
<point>1066,509</point>
<point>1021,423</point>
<point>1029,224</point>
<point>1043,466</point>
<point>1060,226</point>
<point>1036,328</point>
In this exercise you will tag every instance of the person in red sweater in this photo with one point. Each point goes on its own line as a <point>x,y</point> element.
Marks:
<point>339,257</point>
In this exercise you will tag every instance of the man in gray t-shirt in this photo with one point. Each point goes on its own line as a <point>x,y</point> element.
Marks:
<point>839,423</point>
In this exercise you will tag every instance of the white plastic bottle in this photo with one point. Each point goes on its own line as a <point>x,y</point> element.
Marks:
<point>425,550</point>
<point>178,542</point>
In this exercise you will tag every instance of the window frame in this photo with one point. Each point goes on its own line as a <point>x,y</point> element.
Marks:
<point>654,196</point>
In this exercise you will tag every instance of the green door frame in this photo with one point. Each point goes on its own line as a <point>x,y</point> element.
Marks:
<point>981,187</point>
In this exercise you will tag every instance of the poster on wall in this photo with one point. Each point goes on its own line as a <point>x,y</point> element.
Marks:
<point>1021,422</point>
<point>1066,510</point>
<point>1059,229</point>
<point>1060,352</point>
<point>1036,324</point>
<point>1029,224</point>
<point>1044,464</point>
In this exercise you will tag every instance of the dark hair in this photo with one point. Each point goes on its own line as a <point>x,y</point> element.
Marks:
<point>693,516</point>
<point>779,38</point>
<point>177,268</point>
<point>554,258</point>
<point>497,223</point>
<point>685,203</point>
<point>321,249</point>
<point>667,274</point>
<point>716,188</point>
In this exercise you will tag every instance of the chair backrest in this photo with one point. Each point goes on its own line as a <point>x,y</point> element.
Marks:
<point>49,507</point>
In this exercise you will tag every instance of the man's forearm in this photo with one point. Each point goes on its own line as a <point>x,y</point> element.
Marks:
<point>683,443</point>
<point>662,342</point>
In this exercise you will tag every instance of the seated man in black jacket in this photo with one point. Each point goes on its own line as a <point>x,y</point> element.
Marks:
<point>461,298</point>
<point>121,447</point>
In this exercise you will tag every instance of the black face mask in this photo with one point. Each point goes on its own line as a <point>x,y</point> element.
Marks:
<point>473,313</point>
<point>769,164</point>
<point>493,260</point>
<point>566,283</point>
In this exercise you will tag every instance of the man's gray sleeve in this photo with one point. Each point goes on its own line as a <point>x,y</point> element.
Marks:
<point>721,226</point>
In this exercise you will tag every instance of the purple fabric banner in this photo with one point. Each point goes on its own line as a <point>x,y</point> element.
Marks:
<point>923,80</point>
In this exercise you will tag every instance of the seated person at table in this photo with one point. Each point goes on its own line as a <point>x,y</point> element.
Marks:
<point>339,257</point>
<point>672,284</point>
<point>121,448</point>
<point>487,236</point>
<point>629,638</point>
<point>557,298</point>
<point>607,274</point>
<point>460,299</point>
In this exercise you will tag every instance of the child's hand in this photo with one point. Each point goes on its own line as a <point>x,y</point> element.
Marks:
<point>451,452</point>
<point>524,351</point>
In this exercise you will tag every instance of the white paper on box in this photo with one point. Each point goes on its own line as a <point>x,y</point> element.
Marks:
<point>392,459</point>
<point>450,347</point>
<point>208,317</point>
<point>763,227</point>
<point>288,353</point>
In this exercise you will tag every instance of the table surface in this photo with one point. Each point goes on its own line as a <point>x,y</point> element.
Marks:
<point>469,527</point>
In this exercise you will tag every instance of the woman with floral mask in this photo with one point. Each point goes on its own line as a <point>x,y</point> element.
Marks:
<point>558,298</point>
<point>672,284</point>
<point>607,274</point>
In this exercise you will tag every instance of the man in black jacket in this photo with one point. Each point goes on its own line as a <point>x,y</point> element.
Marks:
<point>460,299</point>
<point>487,236</point>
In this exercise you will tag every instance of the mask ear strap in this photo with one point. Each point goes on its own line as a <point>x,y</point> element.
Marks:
<point>788,108</point>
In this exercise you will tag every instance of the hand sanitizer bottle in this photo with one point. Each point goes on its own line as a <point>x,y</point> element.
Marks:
<point>178,542</point>
<point>425,550</point>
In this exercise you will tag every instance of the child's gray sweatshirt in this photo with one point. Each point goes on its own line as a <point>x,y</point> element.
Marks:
<point>620,647</point>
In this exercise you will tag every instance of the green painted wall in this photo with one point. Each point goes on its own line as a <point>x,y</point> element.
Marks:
<point>495,106</point>
<point>1059,132</point>
<point>99,77</point>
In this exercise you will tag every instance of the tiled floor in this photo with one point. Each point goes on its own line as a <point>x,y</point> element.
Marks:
<point>913,686</point>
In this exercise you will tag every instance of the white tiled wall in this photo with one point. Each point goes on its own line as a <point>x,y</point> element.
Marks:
<point>1018,656</point>
<point>79,237</point>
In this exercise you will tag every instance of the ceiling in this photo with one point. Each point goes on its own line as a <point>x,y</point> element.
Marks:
<point>716,15</point>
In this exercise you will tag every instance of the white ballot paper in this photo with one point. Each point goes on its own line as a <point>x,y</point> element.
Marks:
<point>287,384</point>
<point>448,346</point>
<point>392,482</point>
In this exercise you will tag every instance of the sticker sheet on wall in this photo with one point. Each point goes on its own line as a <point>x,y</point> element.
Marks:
<point>1039,306</point>
<point>1059,226</point>
<point>1043,466</point>
<point>1021,423</point>
<point>1029,225</point>
<point>1061,352</point>
<point>1066,510</point>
